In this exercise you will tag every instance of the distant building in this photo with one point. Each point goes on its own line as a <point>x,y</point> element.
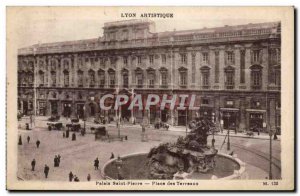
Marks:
<point>234,70</point>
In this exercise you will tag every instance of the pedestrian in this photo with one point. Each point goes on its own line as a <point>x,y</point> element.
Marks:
<point>73,137</point>
<point>55,161</point>
<point>67,133</point>
<point>71,176</point>
<point>96,164</point>
<point>64,135</point>
<point>38,143</point>
<point>32,164</point>
<point>112,156</point>
<point>20,140</point>
<point>88,177</point>
<point>46,170</point>
<point>28,139</point>
<point>58,160</point>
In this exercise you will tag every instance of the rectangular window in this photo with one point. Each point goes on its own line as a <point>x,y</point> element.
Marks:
<point>183,58</point>
<point>229,80</point>
<point>125,60</point>
<point>205,101</point>
<point>205,79</point>
<point>151,80</point>
<point>151,59</point>
<point>242,68</point>
<point>112,79</point>
<point>183,78</point>
<point>164,79</point>
<point>139,79</point>
<point>230,57</point>
<point>255,56</point>
<point>163,59</point>
<point>217,67</point>
<point>139,60</point>
<point>101,79</point>
<point>193,68</point>
<point>205,58</point>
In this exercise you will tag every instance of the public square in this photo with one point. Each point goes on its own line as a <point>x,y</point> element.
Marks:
<point>78,156</point>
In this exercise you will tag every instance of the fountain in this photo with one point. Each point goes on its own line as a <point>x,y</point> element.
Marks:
<point>189,157</point>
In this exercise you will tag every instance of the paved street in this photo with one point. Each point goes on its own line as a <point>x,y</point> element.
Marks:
<point>78,156</point>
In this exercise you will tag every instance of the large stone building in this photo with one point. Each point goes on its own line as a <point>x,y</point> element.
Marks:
<point>233,70</point>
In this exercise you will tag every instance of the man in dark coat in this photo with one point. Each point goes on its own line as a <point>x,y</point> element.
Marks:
<point>67,133</point>
<point>88,177</point>
<point>55,161</point>
<point>71,176</point>
<point>38,143</point>
<point>73,137</point>
<point>96,164</point>
<point>20,140</point>
<point>32,164</point>
<point>58,159</point>
<point>46,171</point>
<point>28,139</point>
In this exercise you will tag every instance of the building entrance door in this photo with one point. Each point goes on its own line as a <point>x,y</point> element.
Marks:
<point>164,115</point>
<point>66,109</point>
<point>256,122</point>
<point>25,107</point>
<point>229,119</point>
<point>125,112</point>
<point>80,111</point>
<point>182,116</point>
<point>54,106</point>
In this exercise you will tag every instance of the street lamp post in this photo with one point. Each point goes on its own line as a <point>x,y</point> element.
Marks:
<point>84,118</point>
<point>227,115</point>
<point>213,131</point>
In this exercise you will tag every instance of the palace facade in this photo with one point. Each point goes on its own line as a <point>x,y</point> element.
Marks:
<point>234,71</point>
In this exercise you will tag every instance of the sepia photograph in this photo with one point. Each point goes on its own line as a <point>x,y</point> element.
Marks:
<point>150,98</point>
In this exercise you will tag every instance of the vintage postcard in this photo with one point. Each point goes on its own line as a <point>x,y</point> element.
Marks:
<point>150,98</point>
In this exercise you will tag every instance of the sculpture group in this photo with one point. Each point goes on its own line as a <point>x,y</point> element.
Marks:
<point>189,154</point>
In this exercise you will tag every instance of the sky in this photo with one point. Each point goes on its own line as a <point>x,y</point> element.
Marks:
<point>45,25</point>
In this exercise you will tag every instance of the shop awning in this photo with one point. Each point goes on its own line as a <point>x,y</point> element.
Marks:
<point>255,110</point>
<point>230,109</point>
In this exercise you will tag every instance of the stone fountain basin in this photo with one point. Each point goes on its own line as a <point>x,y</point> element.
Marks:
<point>134,168</point>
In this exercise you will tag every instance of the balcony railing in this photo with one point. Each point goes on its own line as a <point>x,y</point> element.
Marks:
<point>205,86</point>
<point>164,86</point>
<point>256,87</point>
<point>229,86</point>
